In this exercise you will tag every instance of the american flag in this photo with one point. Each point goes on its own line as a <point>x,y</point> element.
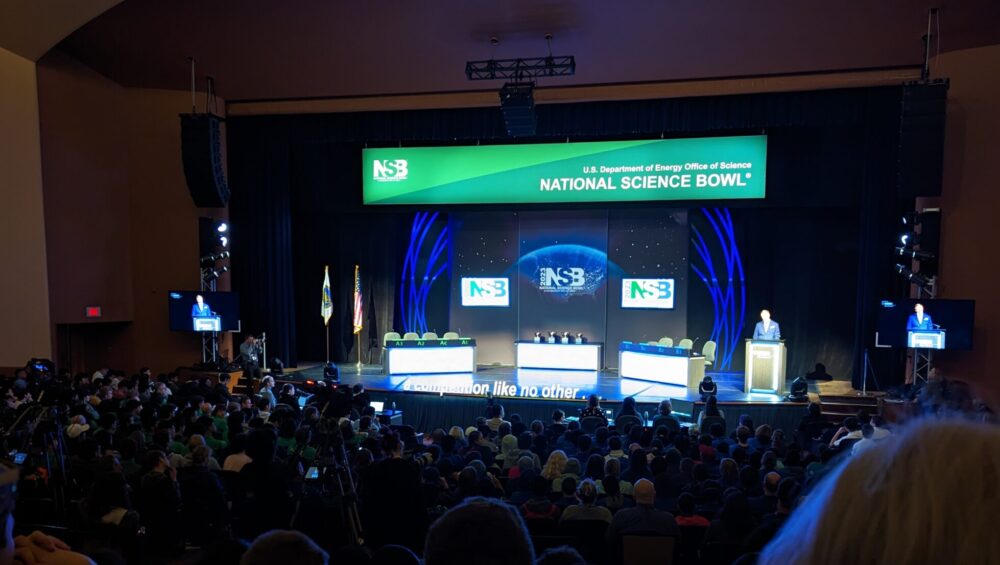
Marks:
<point>358,302</point>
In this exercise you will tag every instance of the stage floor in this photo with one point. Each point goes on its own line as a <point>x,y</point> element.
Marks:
<point>511,382</point>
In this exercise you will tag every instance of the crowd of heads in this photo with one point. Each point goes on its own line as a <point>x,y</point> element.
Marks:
<point>161,464</point>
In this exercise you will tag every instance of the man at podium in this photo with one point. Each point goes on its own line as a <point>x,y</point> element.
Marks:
<point>918,320</point>
<point>199,309</point>
<point>766,328</point>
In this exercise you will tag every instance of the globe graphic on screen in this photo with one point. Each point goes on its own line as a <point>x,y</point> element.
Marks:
<point>565,270</point>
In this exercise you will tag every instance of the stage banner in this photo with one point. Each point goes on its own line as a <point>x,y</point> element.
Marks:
<point>704,168</point>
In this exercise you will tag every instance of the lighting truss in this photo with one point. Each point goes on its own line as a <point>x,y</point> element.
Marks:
<point>518,69</point>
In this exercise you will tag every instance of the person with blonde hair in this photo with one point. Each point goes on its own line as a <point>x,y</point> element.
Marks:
<point>555,465</point>
<point>926,495</point>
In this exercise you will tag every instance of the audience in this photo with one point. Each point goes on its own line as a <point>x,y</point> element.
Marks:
<point>143,455</point>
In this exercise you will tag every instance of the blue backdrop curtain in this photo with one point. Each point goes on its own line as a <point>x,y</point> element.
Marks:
<point>296,181</point>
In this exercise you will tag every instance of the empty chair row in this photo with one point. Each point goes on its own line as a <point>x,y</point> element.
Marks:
<point>393,336</point>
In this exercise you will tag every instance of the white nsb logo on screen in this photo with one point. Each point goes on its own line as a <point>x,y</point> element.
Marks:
<point>561,277</point>
<point>390,170</point>
<point>485,291</point>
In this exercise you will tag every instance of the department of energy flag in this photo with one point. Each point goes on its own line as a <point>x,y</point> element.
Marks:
<point>358,302</point>
<point>326,307</point>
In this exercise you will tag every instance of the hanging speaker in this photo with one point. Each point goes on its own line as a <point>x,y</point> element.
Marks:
<point>201,151</point>
<point>921,139</point>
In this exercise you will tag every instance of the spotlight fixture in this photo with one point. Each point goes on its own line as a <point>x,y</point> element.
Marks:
<point>914,254</point>
<point>222,227</point>
<point>914,278</point>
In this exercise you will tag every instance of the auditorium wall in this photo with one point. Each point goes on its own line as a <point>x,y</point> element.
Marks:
<point>121,225</point>
<point>970,202</point>
<point>24,301</point>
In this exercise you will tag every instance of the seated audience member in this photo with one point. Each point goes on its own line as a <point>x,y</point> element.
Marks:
<point>665,417</point>
<point>615,449</point>
<point>711,414</point>
<point>587,509</point>
<point>628,408</point>
<point>496,418</point>
<point>734,523</point>
<point>593,409</point>
<point>571,470</point>
<point>867,439</point>
<point>265,497</point>
<point>643,518</point>
<point>880,431</point>
<point>479,531</point>
<point>555,465</point>
<point>568,497</point>
<point>848,434</point>
<point>686,512</point>
<point>391,486</point>
<point>925,514</point>
<point>204,510</point>
<point>812,424</point>
<point>161,505</point>
<point>284,546</point>
<point>766,503</point>
<point>539,506</point>
<point>612,497</point>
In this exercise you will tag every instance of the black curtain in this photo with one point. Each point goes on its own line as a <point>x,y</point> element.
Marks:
<point>262,244</point>
<point>296,187</point>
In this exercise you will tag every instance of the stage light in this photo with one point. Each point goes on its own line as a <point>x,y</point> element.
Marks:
<point>914,278</point>
<point>911,219</point>
<point>222,227</point>
<point>914,254</point>
<point>224,241</point>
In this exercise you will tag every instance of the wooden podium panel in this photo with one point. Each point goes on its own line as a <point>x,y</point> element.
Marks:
<point>765,366</point>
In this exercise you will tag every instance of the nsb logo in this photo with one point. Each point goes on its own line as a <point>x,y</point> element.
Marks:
<point>561,278</point>
<point>648,293</point>
<point>390,170</point>
<point>485,291</point>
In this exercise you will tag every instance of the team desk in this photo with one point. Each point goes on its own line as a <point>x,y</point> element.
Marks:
<point>668,365</point>
<point>430,356</point>
<point>565,356</point>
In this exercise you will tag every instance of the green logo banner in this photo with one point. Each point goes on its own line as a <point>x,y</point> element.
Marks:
<point>704,168</point>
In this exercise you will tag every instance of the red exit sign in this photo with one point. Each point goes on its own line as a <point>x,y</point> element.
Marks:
<point>93,311</point>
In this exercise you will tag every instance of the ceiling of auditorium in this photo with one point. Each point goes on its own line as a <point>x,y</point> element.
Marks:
<point>271,49</point>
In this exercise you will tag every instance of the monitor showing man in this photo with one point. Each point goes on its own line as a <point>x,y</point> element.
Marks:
<point>200,309</point>
<point>766,328</point>
<point>918,320</point>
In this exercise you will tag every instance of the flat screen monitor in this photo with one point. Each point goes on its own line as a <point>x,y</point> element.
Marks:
<point>486,291</point>
<point>926,324</point>
<point>195,311</point>
<point>657,294</point>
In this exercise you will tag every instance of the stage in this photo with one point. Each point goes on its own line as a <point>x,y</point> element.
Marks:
<point>444,400</point>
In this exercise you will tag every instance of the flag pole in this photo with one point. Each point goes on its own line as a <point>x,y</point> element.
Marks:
<point>359,353</point>
<point>327,343</point>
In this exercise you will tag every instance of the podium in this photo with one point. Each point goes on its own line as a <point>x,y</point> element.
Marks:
<point>207,324</point>
<point>925,339</point>
<point>765,366</point>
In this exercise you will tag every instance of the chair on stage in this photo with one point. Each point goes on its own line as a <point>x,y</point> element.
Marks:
<point>623,423</point>
<point>411,336</point>
<point>390,336</point>
<point>590,423</point>
<point>430,335</point>
<point>451,335</point>
<point>708,350</point>
<point>685,343</point>
<point>666,341</point>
